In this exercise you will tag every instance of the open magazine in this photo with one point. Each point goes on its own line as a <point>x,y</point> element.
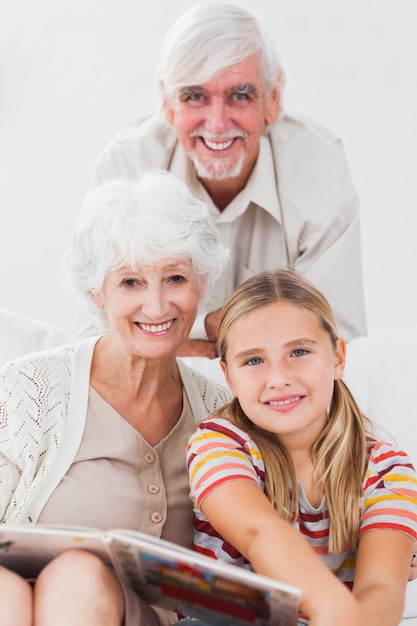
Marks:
<point>163,573</point>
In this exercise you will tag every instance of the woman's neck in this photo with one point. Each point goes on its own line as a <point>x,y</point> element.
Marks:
<point>147,393</point>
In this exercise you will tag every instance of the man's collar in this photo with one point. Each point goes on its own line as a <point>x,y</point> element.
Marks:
<point>261,188</point>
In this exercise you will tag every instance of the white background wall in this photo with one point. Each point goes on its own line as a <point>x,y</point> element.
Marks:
<point>74,72</point>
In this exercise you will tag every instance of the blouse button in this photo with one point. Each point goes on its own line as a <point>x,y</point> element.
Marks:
<point>153,489</point>
<point>149,457</point>
<point>156,517</point>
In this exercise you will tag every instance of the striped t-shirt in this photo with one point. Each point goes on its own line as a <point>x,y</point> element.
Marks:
<point>218,452</point>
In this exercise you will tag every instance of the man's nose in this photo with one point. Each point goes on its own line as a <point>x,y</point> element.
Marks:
<point>217,120</point>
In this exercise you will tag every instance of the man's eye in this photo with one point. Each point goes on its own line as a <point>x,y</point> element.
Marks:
<point>189,95</point>
<point>241,96</point>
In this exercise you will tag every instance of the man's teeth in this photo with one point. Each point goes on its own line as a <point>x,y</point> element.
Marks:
<point>284,402</point>
<point>218,146</point>
<point>156,328</point>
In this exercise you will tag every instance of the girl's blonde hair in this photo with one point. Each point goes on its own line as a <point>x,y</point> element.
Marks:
<point>339,454</point>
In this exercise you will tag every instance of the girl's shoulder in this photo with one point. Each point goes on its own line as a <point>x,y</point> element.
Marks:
<point>222,428</point>
<point>388,462</point>
<point>380,452</point>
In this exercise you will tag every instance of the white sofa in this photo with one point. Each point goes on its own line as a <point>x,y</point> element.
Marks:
<point>381,372</point>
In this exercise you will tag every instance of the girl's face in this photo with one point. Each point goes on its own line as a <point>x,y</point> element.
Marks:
<point>281,365</point>
<point>151,310</point>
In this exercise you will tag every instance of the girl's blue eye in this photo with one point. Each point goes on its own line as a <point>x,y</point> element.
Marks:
<point>255,361</point>
<point>299,352</point>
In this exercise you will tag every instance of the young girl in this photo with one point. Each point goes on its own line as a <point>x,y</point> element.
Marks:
<point>288,479</point>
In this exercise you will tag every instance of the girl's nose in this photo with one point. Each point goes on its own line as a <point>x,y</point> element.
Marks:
<point>278,376</point>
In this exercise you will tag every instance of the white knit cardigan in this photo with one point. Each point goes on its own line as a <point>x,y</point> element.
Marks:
<point>43,410</point>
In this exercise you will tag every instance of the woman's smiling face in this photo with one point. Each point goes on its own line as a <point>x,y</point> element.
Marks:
<point>151,309</point>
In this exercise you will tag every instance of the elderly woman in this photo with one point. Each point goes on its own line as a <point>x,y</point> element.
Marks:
<point>95,433</point>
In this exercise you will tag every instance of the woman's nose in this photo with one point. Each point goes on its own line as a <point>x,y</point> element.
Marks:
<point>154,304</point>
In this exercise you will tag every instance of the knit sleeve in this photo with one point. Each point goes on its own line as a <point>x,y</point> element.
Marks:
<point>10,468</point>
<point>390,491</point>
<point>212,394</point>
<point>32,410</point>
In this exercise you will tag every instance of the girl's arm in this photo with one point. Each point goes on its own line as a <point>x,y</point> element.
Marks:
<point>413,570</point>
<point>382,571</point>
<point>242,514</point>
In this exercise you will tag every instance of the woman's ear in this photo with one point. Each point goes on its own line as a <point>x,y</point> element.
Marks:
<point>202,284</point>
<point>97,298</point>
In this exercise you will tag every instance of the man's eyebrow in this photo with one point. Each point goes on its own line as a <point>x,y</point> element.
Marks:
<point>191,90</point>
<point>248,88</point>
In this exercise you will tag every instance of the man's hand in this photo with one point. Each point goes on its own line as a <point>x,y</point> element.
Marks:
<point>211,323</point>
<point>198,347</point>
<point>202,347</point>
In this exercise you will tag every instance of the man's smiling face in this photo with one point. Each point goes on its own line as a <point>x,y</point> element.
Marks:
<point>220,123</point>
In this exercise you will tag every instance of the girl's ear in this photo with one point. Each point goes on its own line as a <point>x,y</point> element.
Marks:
<point>224,370</point>
<point>340,358</point>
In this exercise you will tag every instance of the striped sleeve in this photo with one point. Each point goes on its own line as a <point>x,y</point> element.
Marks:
<point>218,452</point>
<point>390,491</point>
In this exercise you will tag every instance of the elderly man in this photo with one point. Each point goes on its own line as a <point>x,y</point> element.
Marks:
<point>278,186</point>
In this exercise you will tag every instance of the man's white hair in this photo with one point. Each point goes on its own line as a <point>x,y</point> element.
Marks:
<point>210,37</point>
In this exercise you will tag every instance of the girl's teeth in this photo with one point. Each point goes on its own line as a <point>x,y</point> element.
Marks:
<point>284,402</point>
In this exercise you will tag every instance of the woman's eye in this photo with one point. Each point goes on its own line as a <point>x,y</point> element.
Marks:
<point>177,278</point>
<point>130,282</point>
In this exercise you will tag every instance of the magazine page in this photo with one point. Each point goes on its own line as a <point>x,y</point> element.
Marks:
<point>193,585</point>
<point>28,548</point>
